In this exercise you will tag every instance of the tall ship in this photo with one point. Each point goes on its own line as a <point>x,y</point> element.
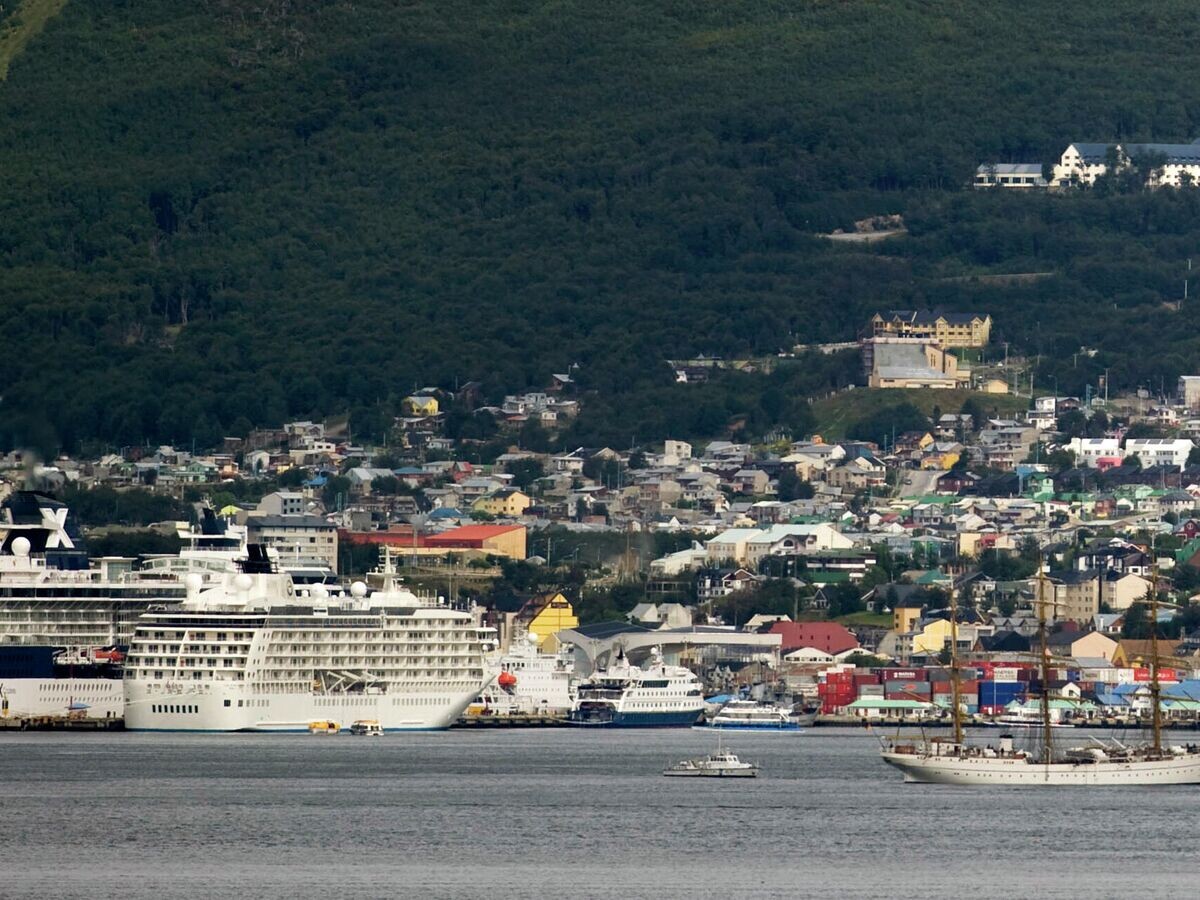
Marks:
<point>66,619</point>
<point>1109,763</point>
<point>624,695</point>
<point>254,653</point>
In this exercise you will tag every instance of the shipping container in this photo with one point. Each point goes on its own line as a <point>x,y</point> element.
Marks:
<point>905,675</point>
<point>866,678</point>
<point>1005,673</point>
<point>870,690</point>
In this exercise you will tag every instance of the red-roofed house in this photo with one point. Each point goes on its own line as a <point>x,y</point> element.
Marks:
<point>828,637</point>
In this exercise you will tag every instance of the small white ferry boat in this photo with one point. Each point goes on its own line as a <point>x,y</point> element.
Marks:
<point>749,715</point>
<point>722,764</point>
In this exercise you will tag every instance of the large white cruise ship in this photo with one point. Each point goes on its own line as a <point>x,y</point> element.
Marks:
<point>64,618</point>
<point>627,696</point>
<point>255,654</point>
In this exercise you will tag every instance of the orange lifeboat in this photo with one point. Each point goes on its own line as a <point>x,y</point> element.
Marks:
<point>506,680</point>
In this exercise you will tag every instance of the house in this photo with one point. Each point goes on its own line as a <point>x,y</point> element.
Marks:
<point>947,329</point>
<point>1138,653</point>
<point>301,538</point>
<point>1171,452</point>
<point>829,637</point>
<point>547,614</point>
<point>857,474</point>
<point>1096,453</point>
<point>1092,645</point>
<point>282,503</point>
<point>420,405</point>
<point>508,502</point>
<point>1022,176</point>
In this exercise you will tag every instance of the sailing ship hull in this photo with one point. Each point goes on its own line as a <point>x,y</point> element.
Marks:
<point>1183,769</point>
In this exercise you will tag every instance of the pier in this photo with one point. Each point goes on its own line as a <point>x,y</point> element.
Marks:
<point>61,723</point>
<point>514,721</point>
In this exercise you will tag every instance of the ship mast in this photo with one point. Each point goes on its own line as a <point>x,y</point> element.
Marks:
<point>1044,650</point>
<point>1155,685</point>
<point>955,687</point>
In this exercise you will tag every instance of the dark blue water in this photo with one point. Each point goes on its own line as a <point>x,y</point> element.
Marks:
<point>555,813</point>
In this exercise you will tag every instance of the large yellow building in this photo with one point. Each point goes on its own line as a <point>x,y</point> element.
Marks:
<point>548,615</point>
<point>507,502</point>
<point>949,329</point>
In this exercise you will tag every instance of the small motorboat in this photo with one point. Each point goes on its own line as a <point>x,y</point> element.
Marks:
<point>368,727</point>
<point>722,764</point>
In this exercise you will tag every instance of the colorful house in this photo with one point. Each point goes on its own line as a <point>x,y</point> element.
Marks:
<point>548,614</point>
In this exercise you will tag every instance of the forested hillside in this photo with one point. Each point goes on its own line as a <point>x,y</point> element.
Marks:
<point>219,213</point>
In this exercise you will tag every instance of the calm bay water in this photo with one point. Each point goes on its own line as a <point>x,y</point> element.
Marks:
<point>555,813</point>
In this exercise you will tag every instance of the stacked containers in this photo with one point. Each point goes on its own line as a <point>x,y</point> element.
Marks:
<point>836,690</point>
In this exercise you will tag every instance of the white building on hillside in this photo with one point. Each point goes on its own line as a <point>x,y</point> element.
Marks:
<point>1090,451</point>
<point>1082,163</point>
<point>1010,175</point>
<point>1160,451</point>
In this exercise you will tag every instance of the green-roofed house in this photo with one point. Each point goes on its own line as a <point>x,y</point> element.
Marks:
<point>880,709</point>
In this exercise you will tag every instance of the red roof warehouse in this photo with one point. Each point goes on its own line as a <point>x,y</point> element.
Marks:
<point>828,637</point>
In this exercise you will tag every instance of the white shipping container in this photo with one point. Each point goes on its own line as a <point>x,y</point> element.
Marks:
<point>870,690</point>
<point>1006,673</point>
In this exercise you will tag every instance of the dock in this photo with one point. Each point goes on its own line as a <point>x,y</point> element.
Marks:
<point>61,723</point>
<point>517,720</point>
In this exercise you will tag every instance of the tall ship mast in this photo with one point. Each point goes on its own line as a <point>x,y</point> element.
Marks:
<point>941,761</point>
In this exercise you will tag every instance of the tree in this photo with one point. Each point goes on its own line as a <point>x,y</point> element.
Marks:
<point>791,486</point>
<point>526,472</point>
<point>336,488</point>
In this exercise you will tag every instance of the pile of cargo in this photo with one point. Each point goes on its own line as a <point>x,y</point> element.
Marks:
<point>985,688</point>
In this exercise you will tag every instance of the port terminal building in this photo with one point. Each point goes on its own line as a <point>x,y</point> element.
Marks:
<point>596,646</point>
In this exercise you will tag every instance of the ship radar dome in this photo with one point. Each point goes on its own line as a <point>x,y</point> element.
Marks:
<point>243,582</point>
<point>20,547</point>
<point>193,582</point>
<point>358,590</point>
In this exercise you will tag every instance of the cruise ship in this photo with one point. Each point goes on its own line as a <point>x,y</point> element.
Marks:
<point>65,619</point>
<point>627,696</point>
<point>253,653</point>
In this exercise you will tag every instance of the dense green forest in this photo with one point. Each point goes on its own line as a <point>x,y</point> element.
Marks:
<point>225,213</point>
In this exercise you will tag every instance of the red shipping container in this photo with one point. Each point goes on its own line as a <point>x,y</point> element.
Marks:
<point>1141,674</point>
<point>905,675</point>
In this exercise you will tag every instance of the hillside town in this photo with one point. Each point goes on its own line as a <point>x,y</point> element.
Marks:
<point>843,554</point>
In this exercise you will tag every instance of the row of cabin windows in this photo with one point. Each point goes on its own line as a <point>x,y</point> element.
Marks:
<point>174,708</point>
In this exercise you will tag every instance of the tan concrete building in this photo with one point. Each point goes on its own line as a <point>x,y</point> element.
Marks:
<point>949,329</point>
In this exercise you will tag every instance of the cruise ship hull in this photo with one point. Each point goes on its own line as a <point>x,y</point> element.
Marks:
<point>222,711</point>
<point>671,719</point>
<point>99,698</point>
<point>1183,769</point>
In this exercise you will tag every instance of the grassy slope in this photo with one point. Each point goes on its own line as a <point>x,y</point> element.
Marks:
<point>22,25</point>
<point>835,414</point>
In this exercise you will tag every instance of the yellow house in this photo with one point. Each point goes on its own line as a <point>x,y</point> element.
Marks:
<point>934,638</point>
<point>550,613</point>
<point>943,460</point>
<point>420,405</point>
<point>508,502</point>
<point>905,618</point>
